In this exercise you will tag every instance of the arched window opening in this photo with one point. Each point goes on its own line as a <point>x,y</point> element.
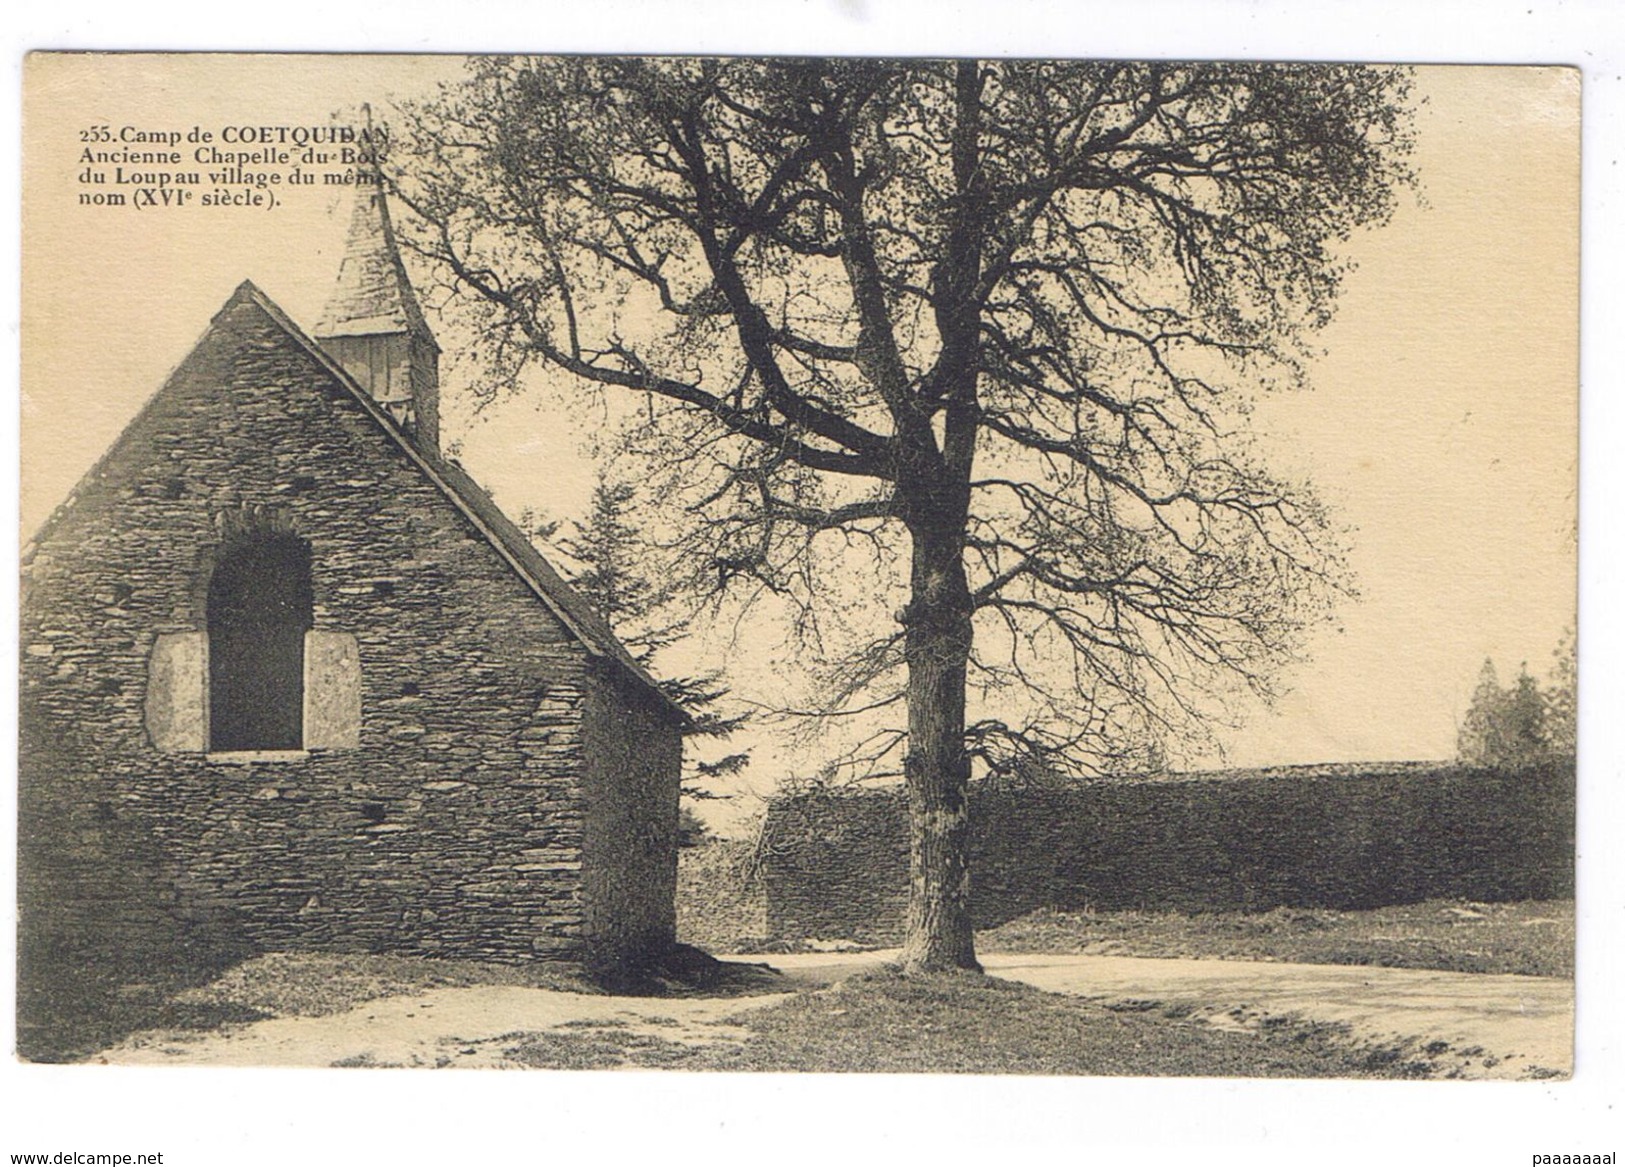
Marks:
<point>259,610</point>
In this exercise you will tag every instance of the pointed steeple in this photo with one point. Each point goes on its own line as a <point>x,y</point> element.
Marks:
<point>373,325</point>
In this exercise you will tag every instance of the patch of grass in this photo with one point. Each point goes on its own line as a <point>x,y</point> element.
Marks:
<point>141,1013</point>
<point>1534,938</point>
<point>186,1015</point>
<point>364,1062</point>
<point>295,984</point>
<point>602,1050</point>
<point>960,1022</point>
<point>73,1000</point>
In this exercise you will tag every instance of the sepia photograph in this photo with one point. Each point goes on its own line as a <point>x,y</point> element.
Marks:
<point>830,565</point>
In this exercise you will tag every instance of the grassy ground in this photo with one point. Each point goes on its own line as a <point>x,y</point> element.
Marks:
<point>1533,938</point>
<point>885,1023</point>
<point>311,984</point>
<point>878,1022</point>
<point>282,984</point>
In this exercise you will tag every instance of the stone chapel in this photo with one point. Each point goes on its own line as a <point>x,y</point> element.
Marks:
<point>290,680</point>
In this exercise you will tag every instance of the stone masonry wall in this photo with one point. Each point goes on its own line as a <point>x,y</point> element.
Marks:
<point>454,828</point>
<point>720,903</point>
<point>629,858</point>
<point>834,866</point>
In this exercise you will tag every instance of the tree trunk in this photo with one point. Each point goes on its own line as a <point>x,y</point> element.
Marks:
<point>935,490</point>
<point>938,622</point>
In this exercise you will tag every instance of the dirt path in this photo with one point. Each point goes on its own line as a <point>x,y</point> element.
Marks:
<point>1494,1026</point>
<point>1472,1025</point>
<point>472,1027</point>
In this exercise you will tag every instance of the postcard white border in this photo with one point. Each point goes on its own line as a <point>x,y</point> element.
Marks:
<point>262,1116</point>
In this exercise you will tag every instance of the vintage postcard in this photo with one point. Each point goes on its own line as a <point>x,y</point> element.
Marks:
<point>983,566</point>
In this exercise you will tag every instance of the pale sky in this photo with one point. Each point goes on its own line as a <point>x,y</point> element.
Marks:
<point>1442,424</point>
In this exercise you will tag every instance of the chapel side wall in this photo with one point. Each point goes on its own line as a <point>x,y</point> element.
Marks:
<point>454,828</point>
<point>633,775</point>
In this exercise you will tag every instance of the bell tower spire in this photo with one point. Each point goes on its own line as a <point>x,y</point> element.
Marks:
<point>373,325</point>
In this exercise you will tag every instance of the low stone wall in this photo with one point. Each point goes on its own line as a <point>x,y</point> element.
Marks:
<point>721,906</point>
<point>834,866</point>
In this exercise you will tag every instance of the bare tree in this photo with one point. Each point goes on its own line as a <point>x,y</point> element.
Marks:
<point>984,333</point>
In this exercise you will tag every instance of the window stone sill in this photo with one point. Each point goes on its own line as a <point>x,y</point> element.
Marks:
<point>249,757</point>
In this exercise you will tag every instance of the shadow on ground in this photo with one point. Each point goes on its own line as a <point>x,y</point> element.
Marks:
<point>73,1000</point>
